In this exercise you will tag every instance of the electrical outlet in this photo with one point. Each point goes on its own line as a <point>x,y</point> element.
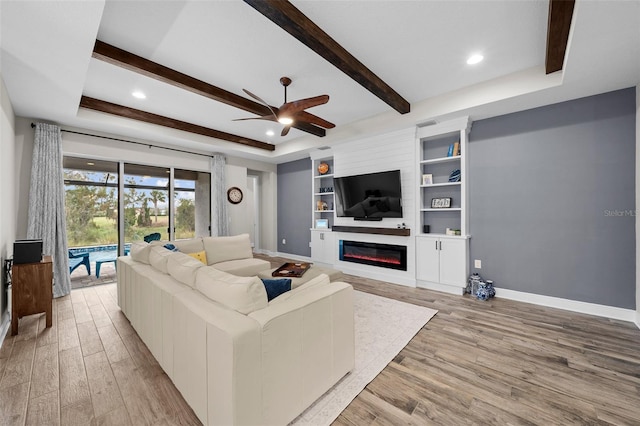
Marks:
<point>284,241</point>
<point>477,264</point>
<point>309,243</point>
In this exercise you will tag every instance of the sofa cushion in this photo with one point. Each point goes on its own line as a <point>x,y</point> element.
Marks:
<point>242,294</point>
<point>243,267</point>
<point>276,287</point>
<point>183,268</point>
<point>201,256</point>
<point>140,252</point>
<point>320,280</point>
<point>158,257</point>
<point>221,249</point>
<point>192,245</point>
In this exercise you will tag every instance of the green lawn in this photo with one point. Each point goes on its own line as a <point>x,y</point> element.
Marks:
<point>106,232</point>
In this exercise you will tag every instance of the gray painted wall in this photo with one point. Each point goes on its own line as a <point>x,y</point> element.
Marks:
<point>552,199</point>
<point>294,207</point>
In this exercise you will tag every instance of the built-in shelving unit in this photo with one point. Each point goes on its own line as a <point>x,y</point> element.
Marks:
<point>441,259</point>
<point>323,194</point>
<point>322,242</point>
<point>433,149</point>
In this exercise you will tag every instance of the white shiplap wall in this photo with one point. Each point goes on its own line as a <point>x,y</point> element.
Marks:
<point>390,151</point>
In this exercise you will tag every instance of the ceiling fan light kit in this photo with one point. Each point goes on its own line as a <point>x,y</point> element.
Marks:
<point>290,112</point>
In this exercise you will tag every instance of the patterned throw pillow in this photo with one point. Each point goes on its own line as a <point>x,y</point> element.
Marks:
<point>201,256</point>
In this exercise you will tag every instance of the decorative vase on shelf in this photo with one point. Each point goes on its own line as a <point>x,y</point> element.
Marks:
<point>323,168</point>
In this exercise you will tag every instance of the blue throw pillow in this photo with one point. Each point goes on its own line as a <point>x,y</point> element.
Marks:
<point>171,247</point>
<point>276,287</point>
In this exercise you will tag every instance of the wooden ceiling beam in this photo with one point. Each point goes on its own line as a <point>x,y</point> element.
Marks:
<point>559,24</point>
<point>121,58</point>
<point>293,21</point>
<point>147,117</point>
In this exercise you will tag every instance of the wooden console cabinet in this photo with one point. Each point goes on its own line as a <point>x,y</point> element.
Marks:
<point>31,290</point>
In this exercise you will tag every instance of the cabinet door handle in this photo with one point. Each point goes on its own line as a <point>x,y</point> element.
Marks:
<point>436,245</point>
<point>322,235</point>
<point>440,245</point>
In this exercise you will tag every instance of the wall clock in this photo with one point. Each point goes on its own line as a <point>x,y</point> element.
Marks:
<point>234,195</point>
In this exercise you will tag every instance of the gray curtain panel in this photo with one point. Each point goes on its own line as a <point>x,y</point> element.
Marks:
<point>219,221</point>
<point>46,218</point>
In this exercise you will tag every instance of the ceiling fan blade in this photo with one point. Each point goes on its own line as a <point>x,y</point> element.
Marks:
<point>264,117</point>
<point>314,119</point>
<point>257,98</point>
<point>302,104</point>
<point>285,130</point>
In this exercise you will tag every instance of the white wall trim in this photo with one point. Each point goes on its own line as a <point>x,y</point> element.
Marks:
<point>569,305</point>
<point>291,256</point>
<point>4,327</point>
<point>428,285</point>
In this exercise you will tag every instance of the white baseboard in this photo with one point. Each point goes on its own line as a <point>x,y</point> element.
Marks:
<point>4,327</point>
<point>459,291</point>
<point>569,305</point>
<point>291,256</point>
<point>637,321</point>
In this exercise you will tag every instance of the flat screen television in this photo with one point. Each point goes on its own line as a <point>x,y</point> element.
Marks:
<point>371,196</point>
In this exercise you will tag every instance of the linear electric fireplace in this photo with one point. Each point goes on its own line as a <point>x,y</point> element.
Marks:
<point>383,255</point>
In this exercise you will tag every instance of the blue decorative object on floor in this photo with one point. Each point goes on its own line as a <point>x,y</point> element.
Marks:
<point>472,283</point>
<point>455,176</point>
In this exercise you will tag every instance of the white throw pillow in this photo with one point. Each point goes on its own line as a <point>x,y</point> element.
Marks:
<point>221,249</point>
<point>242,294</point>
<point>158,256</point>
<point>192,245</point>
<point>183,268</point>
<point>140,252</point>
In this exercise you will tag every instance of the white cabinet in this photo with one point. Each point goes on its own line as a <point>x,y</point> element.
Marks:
<point>441,263</point>
<point>323,247</point>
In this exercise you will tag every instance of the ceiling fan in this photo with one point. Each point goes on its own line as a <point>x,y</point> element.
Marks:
<point>290,112</point>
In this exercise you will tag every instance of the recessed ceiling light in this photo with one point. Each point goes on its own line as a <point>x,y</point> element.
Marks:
<point>285,120</point>
<point>91,164</point>
<point>138,94</point>
<point>474,59</point>
<point>270,133</point>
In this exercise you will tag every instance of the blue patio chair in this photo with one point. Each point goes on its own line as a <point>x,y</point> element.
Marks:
<point>152,237</point>
<point>75,260</point>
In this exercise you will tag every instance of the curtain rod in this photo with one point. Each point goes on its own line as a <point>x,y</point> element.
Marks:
<point>134,142</point>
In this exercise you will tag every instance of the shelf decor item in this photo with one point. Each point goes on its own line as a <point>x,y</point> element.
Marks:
<point>455,176</point>
<point>427,179</point>
<point>323,168</point>
<point>441,203</point>
<point>322,223</point>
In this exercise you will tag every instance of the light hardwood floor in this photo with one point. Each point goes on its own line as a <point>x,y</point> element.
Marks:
<point>495,362</point>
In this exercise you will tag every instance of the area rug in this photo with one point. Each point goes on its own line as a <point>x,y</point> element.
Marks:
<point>382,328</point>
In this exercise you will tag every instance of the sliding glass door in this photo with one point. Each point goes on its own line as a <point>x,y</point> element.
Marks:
<point>146,202</point>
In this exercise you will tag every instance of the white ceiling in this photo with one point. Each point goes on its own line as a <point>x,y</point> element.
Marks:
<point>418,47</point>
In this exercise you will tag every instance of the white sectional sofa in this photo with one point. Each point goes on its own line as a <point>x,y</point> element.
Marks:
<point>236,358</point>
